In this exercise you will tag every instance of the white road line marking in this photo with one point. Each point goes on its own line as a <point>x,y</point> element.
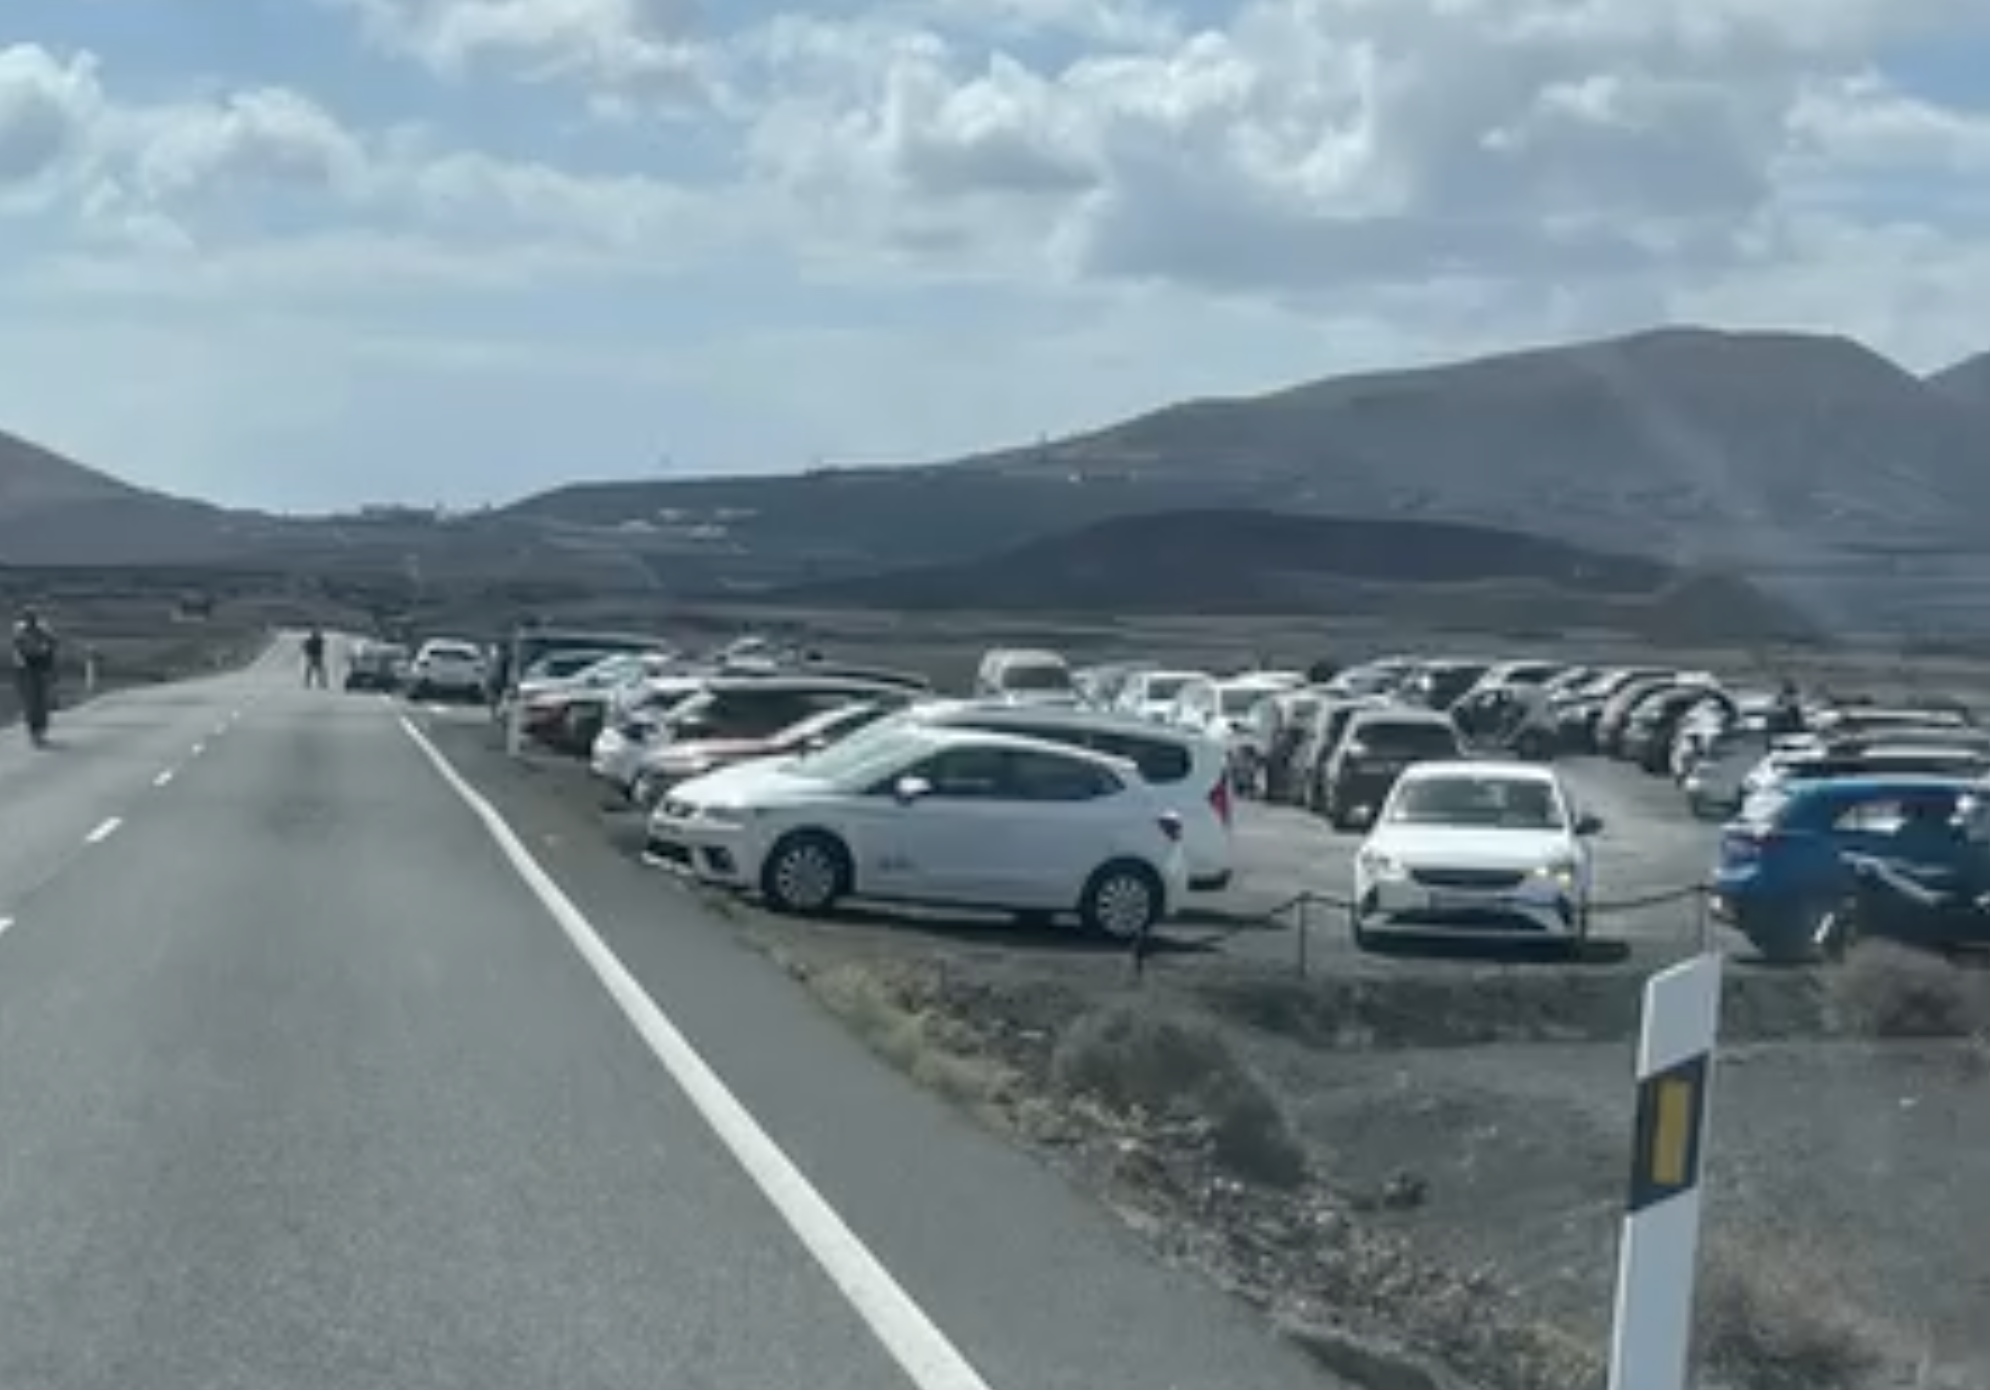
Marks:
<point>198,749</point>
<point>163,778</point>
<point>912,1339</point>
<point>439,711</point>
<point>6,922</point>
<point>104,831</point>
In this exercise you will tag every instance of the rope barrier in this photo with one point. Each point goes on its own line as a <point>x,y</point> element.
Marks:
<point>1305,904</point>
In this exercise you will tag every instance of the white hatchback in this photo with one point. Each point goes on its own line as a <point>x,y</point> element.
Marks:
<point>1477,848</point>
<point>934,816</point>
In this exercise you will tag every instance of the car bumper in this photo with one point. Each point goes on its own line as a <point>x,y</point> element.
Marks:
<point>616,758</point>
<point>1531,905</point>
<point>450,684</point>
<point>717,855</point>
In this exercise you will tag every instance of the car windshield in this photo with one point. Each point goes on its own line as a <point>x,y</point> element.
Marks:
<point>862,760</point>
<point>1158,688</point>
<point>1505,803</point>
<point>1242,699</point>
<point>834,763</point>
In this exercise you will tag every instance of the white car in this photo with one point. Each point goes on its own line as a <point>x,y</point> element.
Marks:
<point>1025,675</point>
<point>1190,773</point>
<point>445,668</point>
<point>942,817</point>
<point>636,718</point>
<point>1151,695</point>
<point>1477,849</point>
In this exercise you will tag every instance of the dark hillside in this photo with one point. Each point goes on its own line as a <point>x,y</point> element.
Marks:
<point>1237,562</point>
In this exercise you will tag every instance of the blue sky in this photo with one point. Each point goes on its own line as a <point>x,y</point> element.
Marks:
<point>303,253</point>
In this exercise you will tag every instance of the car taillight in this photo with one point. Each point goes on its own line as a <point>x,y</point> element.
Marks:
<point>1219,798</point>
<point>1749,844</point>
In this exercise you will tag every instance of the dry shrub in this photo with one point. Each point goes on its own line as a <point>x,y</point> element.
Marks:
<point>1889,991</point>
<point>1141,1060</point>
<point>1771,1317</point>
<point>887,1015</point>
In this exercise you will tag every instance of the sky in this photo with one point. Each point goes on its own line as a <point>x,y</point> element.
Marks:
<point>308,253</point>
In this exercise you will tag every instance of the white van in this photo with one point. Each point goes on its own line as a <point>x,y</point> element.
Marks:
<point>1024,674</point>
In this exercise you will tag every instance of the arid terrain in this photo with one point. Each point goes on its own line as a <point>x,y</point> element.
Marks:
<point>1414,1165</point>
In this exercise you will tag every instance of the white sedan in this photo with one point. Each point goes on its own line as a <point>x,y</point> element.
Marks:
<point>1479,849</point>
<point>934,816</point>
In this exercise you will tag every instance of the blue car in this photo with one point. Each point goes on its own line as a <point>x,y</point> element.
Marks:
<point>1782,864</point>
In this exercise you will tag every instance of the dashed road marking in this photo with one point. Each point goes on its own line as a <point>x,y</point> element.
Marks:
<point>903,1328</point>
<point>197,749</point>
<point>104,832</point>
<point>163,778</point>
<point>6,922</point>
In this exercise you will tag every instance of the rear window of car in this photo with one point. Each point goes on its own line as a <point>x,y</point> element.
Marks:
<point>1035,675</point>
<point>1407,736</point>
<point>1161,761</point>
<point>748,713</point>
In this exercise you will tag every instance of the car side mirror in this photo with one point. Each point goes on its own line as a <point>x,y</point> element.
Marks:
<point>911,789</point>
<point>1587,824</point>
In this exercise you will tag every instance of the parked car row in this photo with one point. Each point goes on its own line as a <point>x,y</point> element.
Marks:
<point>810,782</point>
<point>1104,794</point>
<point>1109,793</point>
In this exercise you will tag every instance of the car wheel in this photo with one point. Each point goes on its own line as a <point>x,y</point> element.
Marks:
<point>1338,816</point>
<point>1123,900</point>
<point>805,874</point>
<point>1364,940</point>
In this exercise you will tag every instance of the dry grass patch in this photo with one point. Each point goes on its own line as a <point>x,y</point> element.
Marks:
<point>887,1010</point>
<point>1889,991</point>
<point>1772,1317</point>
<point>1143,1061</point>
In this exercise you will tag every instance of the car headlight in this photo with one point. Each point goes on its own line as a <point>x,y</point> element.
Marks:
<point>1561,872</point>
<point>1381,864</point>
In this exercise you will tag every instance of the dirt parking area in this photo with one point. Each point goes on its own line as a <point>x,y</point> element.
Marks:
<point>1416,1166</point>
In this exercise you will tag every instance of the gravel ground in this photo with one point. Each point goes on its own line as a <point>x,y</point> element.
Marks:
<point>1497,1096</point>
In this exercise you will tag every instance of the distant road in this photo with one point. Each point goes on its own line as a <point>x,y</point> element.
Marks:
<point>308,1079</point>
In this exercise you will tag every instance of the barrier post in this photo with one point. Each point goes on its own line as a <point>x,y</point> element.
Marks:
<point>1658,1252</point>
<point>89,671</point>
<point>514,725</point>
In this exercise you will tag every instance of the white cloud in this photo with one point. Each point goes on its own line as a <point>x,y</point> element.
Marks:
<point>1292,185</point>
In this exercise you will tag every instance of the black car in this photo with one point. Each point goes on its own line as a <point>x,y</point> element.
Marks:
<point>376,666</point>
<point>1378,745</point>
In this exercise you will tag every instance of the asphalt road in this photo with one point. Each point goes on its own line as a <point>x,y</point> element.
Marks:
<point>308,1080</point>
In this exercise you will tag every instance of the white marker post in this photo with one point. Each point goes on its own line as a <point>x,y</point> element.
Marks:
<point>1658,1256</point>
<point>514,725</point>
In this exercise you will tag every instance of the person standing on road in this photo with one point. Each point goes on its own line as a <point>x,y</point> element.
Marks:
<point>314,658</point>
<point>35,649</point>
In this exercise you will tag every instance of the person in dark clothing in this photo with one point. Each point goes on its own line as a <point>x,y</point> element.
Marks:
<point>1786,719</point>
<point>35,650</point>
<point>497,679</point>
<point>314,658</point>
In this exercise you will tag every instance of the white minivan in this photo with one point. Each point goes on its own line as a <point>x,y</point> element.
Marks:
<point>1025,675</point>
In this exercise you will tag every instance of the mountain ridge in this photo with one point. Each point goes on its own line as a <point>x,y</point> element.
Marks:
<point>1833,474</point>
